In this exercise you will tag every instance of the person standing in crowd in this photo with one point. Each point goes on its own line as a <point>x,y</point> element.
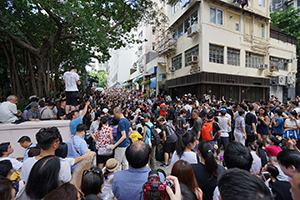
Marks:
<point>163,109</point>
<point>180,123</point>
<point>208,170</point>
<point>103,138</point>
<point>128,184</point>
<point>123,140</point>
<point>184,146</point>
<point>250,125</point>
<point>77,146</point>
<point>224,123</point>
<point>171,113</point>
<point>291,126</point>
<point>210,130</point>
<point>77,119</point>
<point>5,151</point>
<point>263,124</point>
<point>197,125</point>
<point>278,123</point>
<point>169,139</point>
<point>8,110</point>
<point>295,190</point>
<point>26,143</point>
<point>71,80</point>
<point>239,131</point>
<point>147,139</point>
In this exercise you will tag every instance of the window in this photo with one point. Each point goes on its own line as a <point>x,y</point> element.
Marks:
<point>278,4</point>
<point>261,3</point>
<point>279,62</point>
<point>216,16</point>
<point>237,26</point>
<point>175,6</point>
<point>262,30</point>
<point>140,50</point>
<point>177,62</point>
<point>153,46</point>
<point>233,57</point>
<point>141,34</point>
<point>216,54</point>
<point>190,52</point>
<point>253,60</point>
<point>182,28</point>
<point>153,30</point>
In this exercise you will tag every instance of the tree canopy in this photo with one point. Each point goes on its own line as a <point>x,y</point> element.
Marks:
<point>40,39</point>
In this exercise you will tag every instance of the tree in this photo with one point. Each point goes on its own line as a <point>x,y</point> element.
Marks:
<point>289,22</point>
<point>101,75</point>
<point>38,36</point>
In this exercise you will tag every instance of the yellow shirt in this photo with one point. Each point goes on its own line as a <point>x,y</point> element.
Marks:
<point>134,136</point>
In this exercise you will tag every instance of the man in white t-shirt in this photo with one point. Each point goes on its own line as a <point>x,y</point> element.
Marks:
<point>8,110</point>
<point>71,79</point>
<point>5,151</point>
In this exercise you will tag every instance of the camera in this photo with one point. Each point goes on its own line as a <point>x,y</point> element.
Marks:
<point>153,189</point>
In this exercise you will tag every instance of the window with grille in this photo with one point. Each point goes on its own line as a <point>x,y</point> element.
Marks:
<point>279,62</point>
<point>177,62</point>
<point>216,54</point>
<point>253,60</point>
<point>233,57</point>
<point>193,51</point>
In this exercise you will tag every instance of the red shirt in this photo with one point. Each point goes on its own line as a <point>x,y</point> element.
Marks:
<point>273,150</point>
<point>163,109</point>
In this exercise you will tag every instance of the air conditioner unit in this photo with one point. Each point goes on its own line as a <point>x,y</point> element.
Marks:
<point>172,69</point>
<point>192,30</point>
<point>281,80</point>
<point>192,60</point>
<point>262,66</point>
<point>274,68</point>
<point>290,80</point>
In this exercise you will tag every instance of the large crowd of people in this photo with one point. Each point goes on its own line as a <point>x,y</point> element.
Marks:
<point>215,148</point>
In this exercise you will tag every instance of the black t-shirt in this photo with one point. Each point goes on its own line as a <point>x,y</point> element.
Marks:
<point>281,190</point>
<point>250,118</point>
<point>206,181</point>
<point>171,112</point>
<point>61,112</point>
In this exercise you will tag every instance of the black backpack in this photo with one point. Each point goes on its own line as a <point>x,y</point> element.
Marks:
<point>155,138</point>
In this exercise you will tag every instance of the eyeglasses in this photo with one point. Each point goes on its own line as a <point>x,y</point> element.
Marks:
<point>91,170</point>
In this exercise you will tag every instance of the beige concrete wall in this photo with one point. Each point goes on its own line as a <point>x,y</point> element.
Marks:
<point>227,36</point>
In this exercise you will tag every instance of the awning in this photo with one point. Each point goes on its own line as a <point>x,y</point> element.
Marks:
<point>138,79</point>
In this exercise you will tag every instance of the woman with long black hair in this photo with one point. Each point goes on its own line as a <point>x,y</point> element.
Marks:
<point>208,170</point>
<point>184,146</point>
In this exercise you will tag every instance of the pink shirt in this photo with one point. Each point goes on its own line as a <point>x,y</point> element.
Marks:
<point>273,150</point>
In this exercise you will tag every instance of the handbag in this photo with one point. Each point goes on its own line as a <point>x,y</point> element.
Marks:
<point>105,151</point>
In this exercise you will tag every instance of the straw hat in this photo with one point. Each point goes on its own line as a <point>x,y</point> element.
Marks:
<point>111,165</point>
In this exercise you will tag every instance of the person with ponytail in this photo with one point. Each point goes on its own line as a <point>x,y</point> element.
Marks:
<point>208,170</point>
<point>256,163</point>
<point>183,151</point>
<point>103,138</point>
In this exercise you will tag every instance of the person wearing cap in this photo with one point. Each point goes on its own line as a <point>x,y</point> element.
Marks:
<point>109,171</point>
<point>8,110</point>
<point>224,123</point>
<point>33,113</point>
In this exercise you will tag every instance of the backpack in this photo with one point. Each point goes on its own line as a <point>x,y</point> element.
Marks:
<point>155,138</point>
<point>207,131</point>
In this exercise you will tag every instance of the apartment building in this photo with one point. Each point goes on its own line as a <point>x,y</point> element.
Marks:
<point>216,47</point>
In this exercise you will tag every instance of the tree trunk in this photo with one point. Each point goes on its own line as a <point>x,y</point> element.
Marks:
<point>31,74</point>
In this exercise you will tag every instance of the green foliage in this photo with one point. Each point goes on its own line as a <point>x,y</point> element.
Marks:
<point>102,78</point>
<point>289,22</point>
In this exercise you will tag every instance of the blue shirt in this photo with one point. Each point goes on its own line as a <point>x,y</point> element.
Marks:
<point>128,184</point>
<point>27,150</point>
<point>74,123</point>
<point>80,145</point>
<point>123,126</point>
<point>148,132</point>
<point>279,130</point>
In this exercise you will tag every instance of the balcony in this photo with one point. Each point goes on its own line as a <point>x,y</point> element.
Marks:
<point>166,45</point>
